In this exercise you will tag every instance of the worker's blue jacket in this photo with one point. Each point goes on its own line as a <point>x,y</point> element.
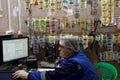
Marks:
<point>76,67</point>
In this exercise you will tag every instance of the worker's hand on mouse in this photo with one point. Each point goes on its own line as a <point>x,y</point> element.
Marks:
<point>20,74</point>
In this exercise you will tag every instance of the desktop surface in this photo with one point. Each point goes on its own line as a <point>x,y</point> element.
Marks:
<point>7,76</point>
<point>10,68</point>
<point>7,71</point>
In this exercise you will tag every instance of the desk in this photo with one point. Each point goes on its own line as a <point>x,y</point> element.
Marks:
<point>6,74</point>
<point>24,67</point>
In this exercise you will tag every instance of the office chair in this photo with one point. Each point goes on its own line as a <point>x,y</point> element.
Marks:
<point>106,71</point>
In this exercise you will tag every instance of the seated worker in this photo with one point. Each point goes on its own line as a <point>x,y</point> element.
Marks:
<point>74,65</point>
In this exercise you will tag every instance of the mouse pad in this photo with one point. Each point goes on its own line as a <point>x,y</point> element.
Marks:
<point>6,76</point>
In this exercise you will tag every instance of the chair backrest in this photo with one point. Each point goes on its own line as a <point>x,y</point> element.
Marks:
<point>106,71</point>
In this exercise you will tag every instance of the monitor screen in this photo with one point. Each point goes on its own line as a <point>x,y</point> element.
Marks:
<point>14,49</point>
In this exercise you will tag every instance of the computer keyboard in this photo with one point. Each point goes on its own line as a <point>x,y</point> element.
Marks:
<point>10,68</point>
<point>15,68</point>
<point>3,68</point>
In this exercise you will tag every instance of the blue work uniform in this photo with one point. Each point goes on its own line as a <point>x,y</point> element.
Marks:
<point>76,67</point>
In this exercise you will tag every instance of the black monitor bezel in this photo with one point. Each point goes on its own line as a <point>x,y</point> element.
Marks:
<point>17,59</point>
<point>3,36</point>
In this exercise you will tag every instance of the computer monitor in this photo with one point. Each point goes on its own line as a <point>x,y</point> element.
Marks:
<point>3,36</point>
<point>14,49</point>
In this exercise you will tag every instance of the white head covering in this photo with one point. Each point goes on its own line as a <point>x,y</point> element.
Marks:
<point>70,42</point>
